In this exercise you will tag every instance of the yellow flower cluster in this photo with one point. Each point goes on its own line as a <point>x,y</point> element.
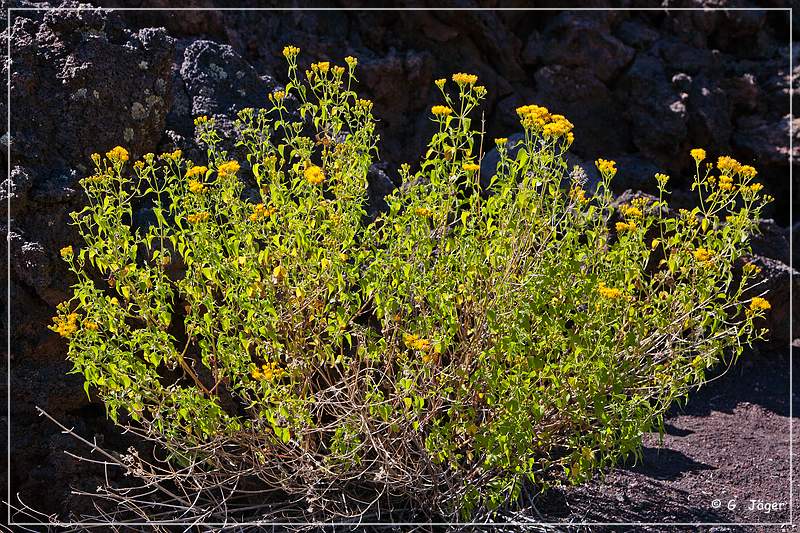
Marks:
<point>755,187</point>
<point>423,212</point>
<point>351,61</point>
<point>66,326</point>
<point>261,212</point>
<point>321,67</point>
<point>606,167</point>
<point>533,116</point>
<point>465,79</point>
<point>759,304</point>
<point>440,83</point>
<point>416,343</point>
<point>195,187</point>
<point>728,164</point>
<point>202,119</point>
<point>578,195</point>
<point>441,110</point>
<point>338,70</point>
<point>608,292</point>
<point>726,182</point>
<point>751,268</point>
<point>698,154</point>
<point>662,179</point>
<point>277,96</point>
<point>631,211</point>
<point>626,226</point>
<point>364,103</point>
<point>268,372</point>
<point>196,171</point>
<point>314,175</point>
<point>471,167</point>
<point>228,168</point>
<point>195,218</point>
<point>747,171</point>
<point>702,255</point>
<point>90,325</point>
<point>290,51</point>
<point>172,156</point>
<point>66,252</point>
<point>501,141</point>
<point>118,153</point>
<point>559,126</point>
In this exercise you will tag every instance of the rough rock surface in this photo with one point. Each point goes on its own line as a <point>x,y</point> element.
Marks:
<point>641,87</point>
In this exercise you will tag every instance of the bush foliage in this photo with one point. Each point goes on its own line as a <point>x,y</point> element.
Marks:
<point>481,334</point>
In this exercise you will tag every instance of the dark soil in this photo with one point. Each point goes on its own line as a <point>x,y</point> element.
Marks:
<point>730,443</point>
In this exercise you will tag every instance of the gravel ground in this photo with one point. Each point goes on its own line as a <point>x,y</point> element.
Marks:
<point>728,446</point>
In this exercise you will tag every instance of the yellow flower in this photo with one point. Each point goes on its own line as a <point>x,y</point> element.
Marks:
<point>351,61</point>
<point>314,175</point>
<point>702,255</point>
<point>174,156</point>
<point>480,91</point>
<point>322,66</point>
<point>67,252</point>
<point>364,103</point>
<point>755,187</point>
<point>228,168</point>
<point>558,127</point>
<point>630,211</point>
<point>196,171</point>
<point>606,167</point>
<point>578,194</point>
<point>608,292</point>
<point>268,372</point>
<point>202,119</point>
<point>747,171</point>
<point>290,51</point>
<point>500,141</point>
<point>662,178</point>
<point>88,324</point>
<point>196,187</point>
<point>423,212</point>
<point>416,343</point>
<point>337,70</point>
<point>66,326</point>
<point>728,164</point>
<point>118,153</point>
<point>471,167</point>
<point>698,154</point>
<point>277,96</point>
<point>725,182</point>
<point>751,268</point>
<point>625,226</point>
<point>465,79</point>
<point>139,165</point>
<point>195,218</point>
<point>759,304</point>
<point>533,116</point>
<point>441,110</point>
<point>261,212</point>
<point>440,83</point>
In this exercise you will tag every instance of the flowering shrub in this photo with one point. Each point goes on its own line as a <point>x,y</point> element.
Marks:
<point>466,342</point>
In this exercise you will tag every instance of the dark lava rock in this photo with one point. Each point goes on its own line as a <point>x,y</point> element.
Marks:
<point>656,111</point>
<point>581,40</point>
